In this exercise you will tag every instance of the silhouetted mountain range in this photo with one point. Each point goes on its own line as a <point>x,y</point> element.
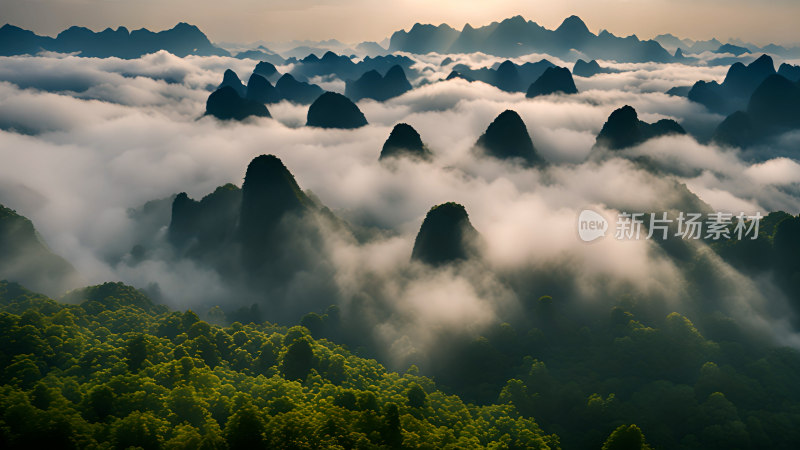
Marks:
<point>672,43</point>
<point>554,80</point>
<point>344,68</point>
<point>302,49</point>
<point>262,54</point>
<point>226,104</point>
<point>733,49</point>
<point>198,228</point>
<point>516,36</point>
<point>249,215</point>
<point>268,232</point>
<point>373,85</point>
<point>679,91</point>
<point>371,49</point>
<point>234,100</point>
<point>330,63</point>
<point>181,40</point>
<point>624,129</point>
<point>507,138</point>
<point>790,72</point>
<point>26,259</point>
<point>506,76</point>
<point>774,108</point>
<point>423,39</point>
<point>267,70</point>
<point>592,68</point>
<point>297,91</point>
<point>229,78</point>
<point>736,89</point>
<point>404,141</point>
<point>333,110</point>
<point>260,90</point>
<point>446,236</point>
<point>258,237</point>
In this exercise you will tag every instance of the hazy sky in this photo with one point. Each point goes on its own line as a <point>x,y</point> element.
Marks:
<point>358,20</point>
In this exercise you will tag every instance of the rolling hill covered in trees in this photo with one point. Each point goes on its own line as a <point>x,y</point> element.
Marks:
<point>117,371</point>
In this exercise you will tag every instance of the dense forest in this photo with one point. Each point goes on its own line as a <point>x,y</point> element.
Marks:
<point>117,371</point>
<point>105,367</point>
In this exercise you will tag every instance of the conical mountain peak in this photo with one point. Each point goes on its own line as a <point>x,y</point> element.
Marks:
<point>446,235</point>
<point>404,141</point>
<point>507,138</point>
<point>573,25</point>
<point>334,110</point>
<point>260,90</point>
<point>268,193</point>
<point>507,66</point>
<point>396,72</point>
<point>624,129</point>
<point>763,64</point>
<point>267,172</point>
<point>231,79</point>
<point>553,80</point>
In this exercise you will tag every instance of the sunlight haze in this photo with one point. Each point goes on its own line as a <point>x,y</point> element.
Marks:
<point>361,20</point>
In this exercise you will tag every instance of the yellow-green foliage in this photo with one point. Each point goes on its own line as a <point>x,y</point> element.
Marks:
<point>115,371</point>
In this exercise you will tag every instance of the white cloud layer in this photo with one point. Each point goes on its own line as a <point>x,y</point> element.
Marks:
<point>83,140</point>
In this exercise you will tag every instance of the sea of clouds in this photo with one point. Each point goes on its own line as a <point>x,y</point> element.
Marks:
<point>84,140</point>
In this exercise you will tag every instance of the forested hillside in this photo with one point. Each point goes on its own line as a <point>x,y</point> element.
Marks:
<point>110,369</point>
<point>117,371</point>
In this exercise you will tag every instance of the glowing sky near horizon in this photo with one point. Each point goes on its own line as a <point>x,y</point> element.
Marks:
<point>360,20</point>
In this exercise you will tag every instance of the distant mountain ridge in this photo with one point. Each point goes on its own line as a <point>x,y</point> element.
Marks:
<point>672,43</point>
<point>181,40</point>
<point>516,36</point>
<point>740,82</point>
<point>507,76</point>
<point>590,69</point>
<point>773,108</point>
<point>344,67</point>
<point>233,100</point>
<point>373,85</point>
<point>511,37</point>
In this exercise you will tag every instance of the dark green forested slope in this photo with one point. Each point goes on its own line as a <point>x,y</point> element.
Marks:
<point>110,369</point>
<point>116,371</point>
<point>684,390</point>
